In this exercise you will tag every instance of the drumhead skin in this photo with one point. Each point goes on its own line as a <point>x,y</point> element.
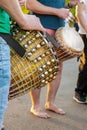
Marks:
<point>69,37</point>
<point>70,43</point>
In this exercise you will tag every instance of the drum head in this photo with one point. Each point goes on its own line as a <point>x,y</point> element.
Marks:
<point>69,38</point>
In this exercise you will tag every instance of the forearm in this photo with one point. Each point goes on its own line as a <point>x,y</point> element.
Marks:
<point>83,20</point>
<point>73,3</point>
<point>14,10</point>
<point>81,15</point>
<point>39,8</point>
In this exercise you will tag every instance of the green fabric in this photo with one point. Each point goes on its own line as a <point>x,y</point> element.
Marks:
<point>4,22</point>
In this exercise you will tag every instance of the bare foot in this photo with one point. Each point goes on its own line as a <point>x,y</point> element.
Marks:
<point>52,107</point>
<point>39,112</point>
<point>2,127</point>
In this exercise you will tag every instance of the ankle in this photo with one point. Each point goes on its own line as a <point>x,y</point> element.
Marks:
<point>47,104</point>
<point>2,127</point>
<point>36,107</point>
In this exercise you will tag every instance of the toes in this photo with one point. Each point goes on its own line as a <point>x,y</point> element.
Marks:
<point>39,113</point>
<point>60,111</point>
<point>53,108</point>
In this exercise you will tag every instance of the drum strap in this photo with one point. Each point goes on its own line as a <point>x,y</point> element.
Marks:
<point>53,41</point>
<point>13,43</point>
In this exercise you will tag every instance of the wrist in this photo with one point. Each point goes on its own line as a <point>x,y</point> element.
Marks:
<point>22,21</point>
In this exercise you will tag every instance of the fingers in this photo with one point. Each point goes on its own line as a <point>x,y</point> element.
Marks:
<point>64,13</point>
<point>70,17</point>
<point>36,25</point>
<point>32,23</point>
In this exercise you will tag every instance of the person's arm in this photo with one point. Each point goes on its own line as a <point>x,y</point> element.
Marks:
<point>27,22</point>
<point>37,7</point>
<point>81,15</point>
<point>22,2</point>
<point>73,3</point>
<point>13,8</point>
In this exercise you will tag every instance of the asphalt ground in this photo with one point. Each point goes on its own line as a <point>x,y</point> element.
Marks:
<point>18,116</point>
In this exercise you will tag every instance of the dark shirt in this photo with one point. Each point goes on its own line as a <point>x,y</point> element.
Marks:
<point>51,21</point>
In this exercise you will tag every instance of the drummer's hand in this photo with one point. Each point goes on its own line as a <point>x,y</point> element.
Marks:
<point>63,13</point>
<point>31,22</point>
<point>73,3</point>
<point>22,2</point>
<point>70,18</point>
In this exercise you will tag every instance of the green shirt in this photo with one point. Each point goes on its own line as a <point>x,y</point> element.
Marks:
<point>4,22</point>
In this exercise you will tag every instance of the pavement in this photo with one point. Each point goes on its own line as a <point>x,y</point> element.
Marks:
<point>18,116</point>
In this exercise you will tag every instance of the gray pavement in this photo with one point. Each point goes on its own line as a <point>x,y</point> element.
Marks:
<point>18,116</point>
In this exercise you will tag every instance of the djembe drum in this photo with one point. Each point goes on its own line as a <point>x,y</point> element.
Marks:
<point>70,43</point>
<point>37,67</point>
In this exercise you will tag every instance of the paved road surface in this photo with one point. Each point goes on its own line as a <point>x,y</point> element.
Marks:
<point>18,117</point>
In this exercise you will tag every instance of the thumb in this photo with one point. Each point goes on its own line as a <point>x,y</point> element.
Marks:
<point>41,28</point>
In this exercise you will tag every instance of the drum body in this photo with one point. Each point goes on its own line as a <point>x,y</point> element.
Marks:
<point>70,43</point>
<point>37,67</point>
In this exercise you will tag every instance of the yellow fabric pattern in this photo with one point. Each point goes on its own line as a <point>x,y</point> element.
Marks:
<point>82,61</point>
<point>25,11</point>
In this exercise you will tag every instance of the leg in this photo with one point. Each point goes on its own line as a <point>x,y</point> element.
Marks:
<point>81,89</point>
<point>82,81</point>
<point>51,93</point>
<point>36,109</point>
<point>4,77</point>
<point>2,127</point>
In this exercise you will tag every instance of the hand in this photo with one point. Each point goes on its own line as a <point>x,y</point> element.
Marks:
<point>31,22</point>
<point>73,3</point>
<point>70,18</point>
<point>63,13</point>
<point>22,2</point>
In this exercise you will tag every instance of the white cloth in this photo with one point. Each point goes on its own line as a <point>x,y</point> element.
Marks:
<point>81,29</point>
